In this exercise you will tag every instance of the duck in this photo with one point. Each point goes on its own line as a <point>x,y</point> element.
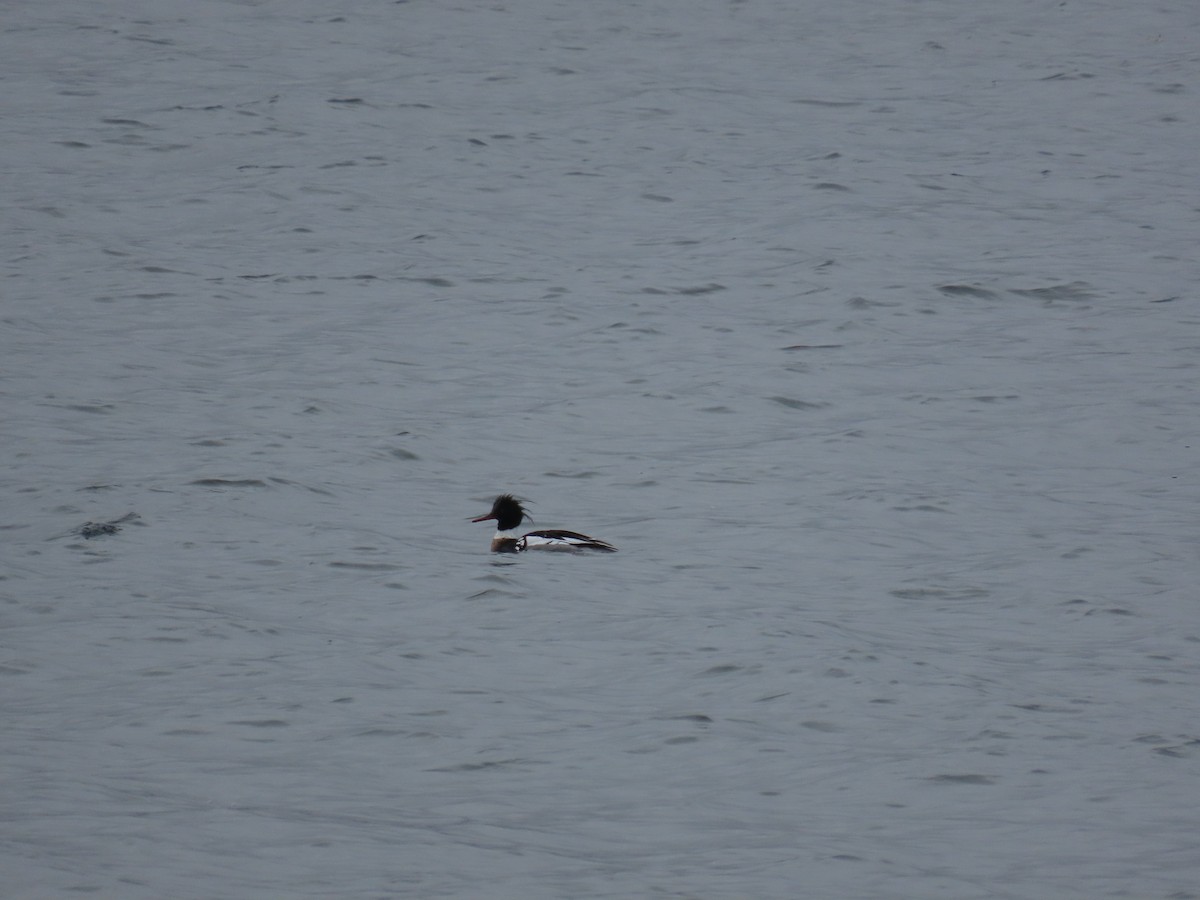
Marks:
<point>509,513</point>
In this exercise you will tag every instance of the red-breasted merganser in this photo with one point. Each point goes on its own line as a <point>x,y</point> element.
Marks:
<point>509,513</point>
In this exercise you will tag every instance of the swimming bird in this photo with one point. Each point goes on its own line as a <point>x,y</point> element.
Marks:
<point>508,513</point>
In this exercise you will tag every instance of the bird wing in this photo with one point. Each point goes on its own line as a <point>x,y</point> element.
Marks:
<point>564,540</point>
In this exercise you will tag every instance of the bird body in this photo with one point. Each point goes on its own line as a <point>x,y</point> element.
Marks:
<point>508,514</point>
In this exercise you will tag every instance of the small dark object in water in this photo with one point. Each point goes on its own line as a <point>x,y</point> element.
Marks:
<point>89,530</point>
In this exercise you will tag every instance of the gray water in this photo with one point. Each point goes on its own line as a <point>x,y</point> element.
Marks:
<point>866,331</point>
